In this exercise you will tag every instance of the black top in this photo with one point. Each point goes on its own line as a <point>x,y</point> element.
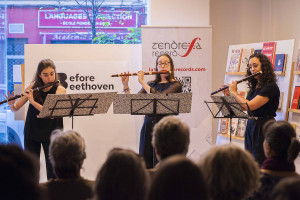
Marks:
<point>73,188</point>
<point>271,91</point>
<point>40,129</point>
<point>163,88</point>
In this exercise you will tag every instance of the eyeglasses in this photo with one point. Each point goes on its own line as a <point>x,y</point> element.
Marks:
<point>163,64</point>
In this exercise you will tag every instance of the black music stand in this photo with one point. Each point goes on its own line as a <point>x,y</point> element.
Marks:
<point>70,105</point>
<point>228,108</point>
<point>153,104</point>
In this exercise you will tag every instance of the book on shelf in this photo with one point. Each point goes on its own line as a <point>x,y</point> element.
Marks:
<point>241,127</point>
<point>280,62</point>
<point>269,49</point>
<point>295,100</point>
<point>256,51</point>
<point>235,60</point>
<point>298,61</point>
<point>223,126</point>
<point>233,126</point>
<point>246,53</point>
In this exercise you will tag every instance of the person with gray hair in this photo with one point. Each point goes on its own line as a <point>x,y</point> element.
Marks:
<point>170,136</point>
<point>67,153</point>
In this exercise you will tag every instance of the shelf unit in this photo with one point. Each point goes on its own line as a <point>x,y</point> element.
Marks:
<point>284,82</point>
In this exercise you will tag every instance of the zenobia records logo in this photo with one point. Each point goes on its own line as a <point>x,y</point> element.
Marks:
<point>175,48</point>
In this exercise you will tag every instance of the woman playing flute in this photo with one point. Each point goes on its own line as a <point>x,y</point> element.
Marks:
<point>262,100</point>
<point>163,83</point>
<point>37,131</point>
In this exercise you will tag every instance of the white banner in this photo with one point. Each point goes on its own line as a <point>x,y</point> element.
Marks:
<point>87,68</point>
<point>191,51</point>
<point>101,132</point>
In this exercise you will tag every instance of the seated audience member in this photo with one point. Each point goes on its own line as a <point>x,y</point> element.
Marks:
<point>170,137</point>
<point>281,148</point>
<point>122,177</point>
<point>178,178</point>
<point>67,153</point>
<point>19,174</point>
<point>229,172</point>
<point>286,189</point>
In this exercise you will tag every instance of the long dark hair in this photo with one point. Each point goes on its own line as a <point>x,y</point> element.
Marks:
<point>281,137</point>
<point>171,76</point>
<point>267,75</point>
<point>37,81</point>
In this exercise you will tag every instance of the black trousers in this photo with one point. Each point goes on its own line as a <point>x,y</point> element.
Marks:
<point>35,148</point>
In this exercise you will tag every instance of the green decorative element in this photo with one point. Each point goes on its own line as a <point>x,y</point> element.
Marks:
<point>134,36</point>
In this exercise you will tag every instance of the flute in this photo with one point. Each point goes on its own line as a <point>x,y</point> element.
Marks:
<point>35,89</point>
<point>242,80</point>
<point>146,73</point>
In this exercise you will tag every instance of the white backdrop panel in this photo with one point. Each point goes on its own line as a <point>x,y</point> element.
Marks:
<point>191,51</point>
<point>101,132</point>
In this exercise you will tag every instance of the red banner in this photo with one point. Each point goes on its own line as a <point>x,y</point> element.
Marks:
<point>78,19</point>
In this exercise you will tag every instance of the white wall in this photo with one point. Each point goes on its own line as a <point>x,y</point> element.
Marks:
<point>179,13</point>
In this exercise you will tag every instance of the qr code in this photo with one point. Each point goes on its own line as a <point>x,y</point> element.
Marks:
<point>186,82</point>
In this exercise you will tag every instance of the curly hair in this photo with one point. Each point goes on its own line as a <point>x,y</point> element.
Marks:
<point>267,69</point>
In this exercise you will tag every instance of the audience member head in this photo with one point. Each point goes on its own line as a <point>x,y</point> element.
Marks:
<point>170,136</point>
<point>286,189</point>
<point>178,178</point>
<point>19,174</point>
<point>122,176</point>
<point>280,140</point>
<point>66,153</point>
<point>230,173</point>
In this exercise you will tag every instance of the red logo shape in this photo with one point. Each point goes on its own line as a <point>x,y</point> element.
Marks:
<point>190,48</point>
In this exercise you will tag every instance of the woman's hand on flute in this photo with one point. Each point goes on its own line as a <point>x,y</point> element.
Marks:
<point>125,80</point>
<point>12,102</point>
<point>29,95</point>
<point>233,87</point>
<point>141,76</point>
<point>226,91</point>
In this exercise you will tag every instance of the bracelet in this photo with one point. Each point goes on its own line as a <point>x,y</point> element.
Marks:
<point>126,89</point>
